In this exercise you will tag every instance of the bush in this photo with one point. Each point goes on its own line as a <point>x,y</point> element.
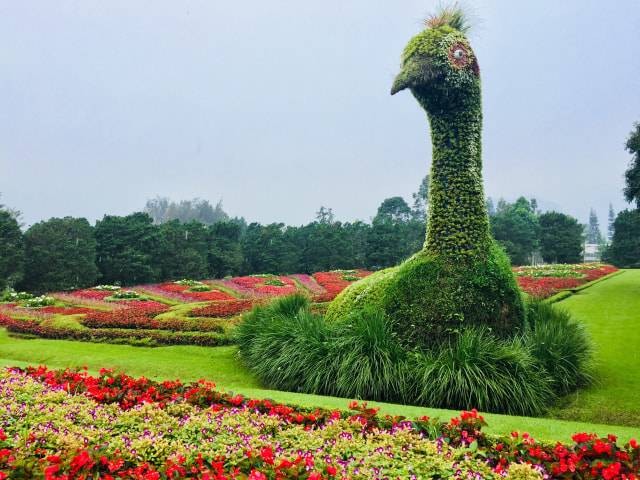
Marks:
<point>561,345</point>
<point>290,348</point>
<point>429,299</point>
<point>476,369</point>
<point>286,345</point>
<point>367,359</point>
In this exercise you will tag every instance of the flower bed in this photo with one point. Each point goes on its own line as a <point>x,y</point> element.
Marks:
<point>546,280</point>
<point>264,285</point>
<point>335,281</point>
<point>228,308</point>
<point>92,294</point>
<point>115,335</point>
<point>181,293</point>
<point>114,426</point>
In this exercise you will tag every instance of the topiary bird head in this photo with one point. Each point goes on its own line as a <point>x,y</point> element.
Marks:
<point>439,66</point>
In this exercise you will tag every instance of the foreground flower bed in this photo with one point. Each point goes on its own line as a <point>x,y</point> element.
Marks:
<point>70,425</point>
<point>546,280</point>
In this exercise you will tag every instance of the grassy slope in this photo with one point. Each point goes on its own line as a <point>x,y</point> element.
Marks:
<point>611,312</point>
<point>220,365</point>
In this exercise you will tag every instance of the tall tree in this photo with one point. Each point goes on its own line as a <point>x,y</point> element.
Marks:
<point>491,208</point>
<point>394,234</point>
<point>632,175</point>
<point>184,250</point>
<point>60,254</point>
<point>560,238</point>
<point>421,200</point>
<point>268,249</point>
<point>612,219</point>
<point>225,252</point>
<point>624,250</point>
<point>515,226</point>
<point>325,216</point>
<point>128,249</point>
<point>11,250</point>
<point>594,235</point>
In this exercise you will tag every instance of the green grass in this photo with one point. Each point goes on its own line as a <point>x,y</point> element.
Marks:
<point>220,364</point>
<point>610,311</point>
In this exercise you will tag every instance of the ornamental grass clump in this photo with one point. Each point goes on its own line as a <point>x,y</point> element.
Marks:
<point>561,345</point>
<point>477,369</point>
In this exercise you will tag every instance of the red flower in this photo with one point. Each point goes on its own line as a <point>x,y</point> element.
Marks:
<point>257,475</point>
<point>266,453</point>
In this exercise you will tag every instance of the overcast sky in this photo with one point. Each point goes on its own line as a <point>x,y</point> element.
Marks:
<point>278,107</point>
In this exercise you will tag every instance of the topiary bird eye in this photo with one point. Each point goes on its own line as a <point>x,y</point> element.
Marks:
<point>458,55</point>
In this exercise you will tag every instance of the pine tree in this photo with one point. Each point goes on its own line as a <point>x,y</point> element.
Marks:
<point>610,227</point>
<point>593,231</point>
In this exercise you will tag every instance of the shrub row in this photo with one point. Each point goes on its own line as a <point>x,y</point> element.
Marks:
<point>290,348</point>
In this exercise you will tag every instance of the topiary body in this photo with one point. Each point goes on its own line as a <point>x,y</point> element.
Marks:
<point>460,277</point>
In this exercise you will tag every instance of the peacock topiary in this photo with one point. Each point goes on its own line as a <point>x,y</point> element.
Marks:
<point>446,328</point>
<point>461,277</point>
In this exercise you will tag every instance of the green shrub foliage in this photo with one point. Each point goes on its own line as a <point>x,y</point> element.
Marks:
<point>476,369</point>
<point>290,348</point>
<point>561,345</point>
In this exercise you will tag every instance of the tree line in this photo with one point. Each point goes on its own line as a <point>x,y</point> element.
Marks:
<point>194,239</point>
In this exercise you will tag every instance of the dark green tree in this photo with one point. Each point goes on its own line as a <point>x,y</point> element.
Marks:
<point>184,250</point>
<point>60,254</point>
<point>225,251</point>
<point>515,226</point>
<point>395,234</point>
<point>460,277</point>
<point>128,249</point>
<point>624,250</point>
<point>632,175</point>
<point>269,249</point>
<point>560,238</point>
<point>11,250</point>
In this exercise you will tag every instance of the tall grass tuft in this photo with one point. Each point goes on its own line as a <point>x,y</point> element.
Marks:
<point>285,345</point>
<point>367,360</point>
<point>561,345</point>
<point>290,348</point>
<point>478,370</point>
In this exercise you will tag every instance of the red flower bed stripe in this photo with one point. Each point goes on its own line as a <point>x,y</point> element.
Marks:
<point>544,287</point>
<point>334,283</point>
<point>228,308</point>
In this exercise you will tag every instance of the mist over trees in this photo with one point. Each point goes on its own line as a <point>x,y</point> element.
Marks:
<point>162,210</point>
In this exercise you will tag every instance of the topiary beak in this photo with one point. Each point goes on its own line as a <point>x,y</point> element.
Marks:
<point>403,80</point>
<point>415,72</point>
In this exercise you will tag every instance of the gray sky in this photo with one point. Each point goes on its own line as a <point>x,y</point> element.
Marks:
<point>279,107</point>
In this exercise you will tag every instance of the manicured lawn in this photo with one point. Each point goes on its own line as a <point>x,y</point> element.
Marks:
<point>611,311</point>
<point>220,365</point>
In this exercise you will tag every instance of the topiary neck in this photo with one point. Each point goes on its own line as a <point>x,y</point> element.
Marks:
<point>458,224</point>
